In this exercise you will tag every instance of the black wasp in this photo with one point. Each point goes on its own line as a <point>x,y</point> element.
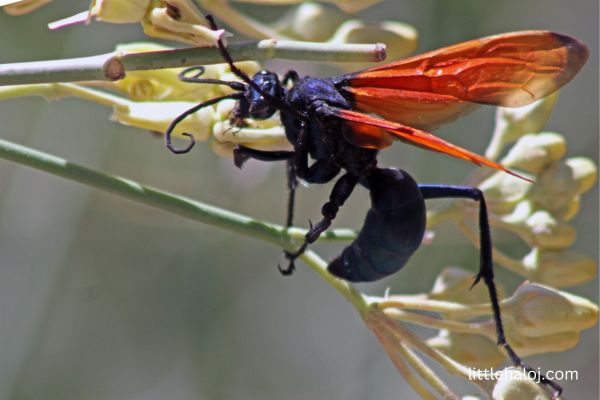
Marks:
<point>323,126</point>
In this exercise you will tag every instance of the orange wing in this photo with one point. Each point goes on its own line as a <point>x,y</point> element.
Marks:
<point>509,70</point>
<point>377,133</point>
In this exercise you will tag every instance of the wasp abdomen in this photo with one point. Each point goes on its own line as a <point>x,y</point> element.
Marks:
<point>391,233</point>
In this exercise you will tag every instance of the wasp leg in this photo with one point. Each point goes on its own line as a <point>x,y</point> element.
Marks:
<point>486,270</point>
<point>342,189</point>
<point>292,183</point>
<point>241,154</point>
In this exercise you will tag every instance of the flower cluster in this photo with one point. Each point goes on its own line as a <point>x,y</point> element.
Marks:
<point>537,317</point>
<point>180,20</point>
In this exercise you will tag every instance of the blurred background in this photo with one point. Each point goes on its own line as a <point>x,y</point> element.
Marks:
<point>102,298</point>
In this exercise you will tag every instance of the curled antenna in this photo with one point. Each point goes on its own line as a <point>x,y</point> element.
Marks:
<point>184,115</point>
<point>184,76</point>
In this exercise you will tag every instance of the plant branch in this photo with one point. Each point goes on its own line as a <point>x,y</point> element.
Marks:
<point>162,200</point>
<point>114,66</point>
<point>186,207</point>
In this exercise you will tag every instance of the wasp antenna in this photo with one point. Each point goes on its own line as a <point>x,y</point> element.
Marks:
<point>183,76</point>
<point>186,149</point>
<point>225,54</point>
<point>184,115</point>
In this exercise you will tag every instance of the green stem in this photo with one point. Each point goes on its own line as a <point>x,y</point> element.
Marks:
<point>475,328</point>
<point>390,345</point>
<point>163,200</point>
<point>185,207</point>
<point>114,66</point>
<point>426,373</point>
<point>344,288</point>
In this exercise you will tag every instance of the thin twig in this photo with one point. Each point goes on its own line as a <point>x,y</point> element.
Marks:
<point>163,200</point>
<point>114,66</point>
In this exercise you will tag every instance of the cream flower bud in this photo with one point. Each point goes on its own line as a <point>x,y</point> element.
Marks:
<point>267,134</point>
<point>568,211</point>
<point>222,149</point>
<point>537,228</point>
<point>154,85</point>
<point>561,182</point>
<point>157,116</point>
<point>530,345</point>
<point>503,191</point>
<point>400,39</point>
<point>533,152</point>
<point>515,384</point>
<point>311,22</point>
<point>119,11</point>
<point>558,268</point>
<point>179,20</point>
<point>475,351</point>
<point>353,6</point>
<point>23,7</point>
<point>585,172</point>
<point>547,232</point>
<point>539,310</point>
<point>455,284</point>
<point>512,123</point>
<point>259,138</point>
<point>165,84</point>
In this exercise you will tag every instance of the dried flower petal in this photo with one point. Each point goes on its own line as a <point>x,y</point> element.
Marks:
<point>119,11</point>
<point>22,7</point>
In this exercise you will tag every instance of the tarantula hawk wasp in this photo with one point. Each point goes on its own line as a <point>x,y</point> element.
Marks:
<point>321,122</point>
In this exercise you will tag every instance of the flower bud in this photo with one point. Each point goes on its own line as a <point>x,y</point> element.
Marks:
<point>267,134</point>
<point>516,384</point>
<point>456,285</point>
<point>222,149</point>
<point>353,6</point>
<point>475,351</point>
<point>119,11</point>
<point>545,231</point>
<point>556,186</point>
<point>533,152</point>
<point>503,191</point>
<point>531,345</point>
<point>568,211</point>
<point>180,21</point>
<point>22,7</point>
<point>272,138</point>
<point>512,123</point>
<point>549,232</point>
<point>585,172</point>
<point>155,85</point>
<point>157,116</point>
<point>559,268</point>
<point>311,22</point>
<point>539,310</point>
<point>536,228</point>
<point>400,39</point>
